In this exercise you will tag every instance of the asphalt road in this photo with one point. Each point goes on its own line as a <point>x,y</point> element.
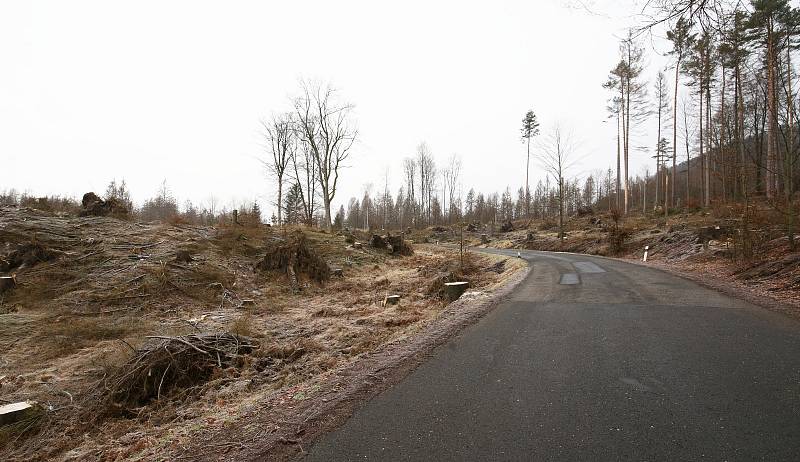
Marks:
<point>593,359</point>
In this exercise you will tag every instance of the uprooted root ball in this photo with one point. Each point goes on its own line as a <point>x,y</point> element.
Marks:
<point>294,255</point>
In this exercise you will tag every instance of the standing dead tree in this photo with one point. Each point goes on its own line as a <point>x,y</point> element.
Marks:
<point>326,128</point>
<point>410,171</point>
<point>305,181</point>
<point>279,134</point>
<point>682,40</point>
<point>556,158</point>
<point>427,181</point>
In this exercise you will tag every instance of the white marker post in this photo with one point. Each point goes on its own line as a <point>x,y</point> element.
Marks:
<point>646,248</point>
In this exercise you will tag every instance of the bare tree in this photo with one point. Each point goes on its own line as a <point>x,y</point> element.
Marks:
<point>279,134</point>
<point>410,170</point>
<point>682,40</point>
<point>427,180</point>
<point>556,158</point>
<point>662,145</point>
<point>630,105</point>
<point>325,125</point>
<point>305,177</point>
<point>454,178</point>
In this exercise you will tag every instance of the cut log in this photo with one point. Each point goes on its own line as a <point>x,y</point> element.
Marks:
<point>391,300</point>
<point>337,272</point>
<point>7,283</point>
<point>454,290</point>
<point>357,245</point>
<point>15,412</point>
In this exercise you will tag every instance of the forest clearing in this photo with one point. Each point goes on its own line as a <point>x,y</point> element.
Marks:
<point>95,298</point>
<point>337,231</point>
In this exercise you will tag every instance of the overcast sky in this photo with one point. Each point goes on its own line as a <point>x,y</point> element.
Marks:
<point>147,91</point>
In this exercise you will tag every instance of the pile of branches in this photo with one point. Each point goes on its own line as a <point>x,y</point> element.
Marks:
<point>295,256</point>
<point>26,255</point>
<point>174,363</point>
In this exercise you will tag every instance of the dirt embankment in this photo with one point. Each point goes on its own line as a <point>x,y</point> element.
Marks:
<point>142,341</point>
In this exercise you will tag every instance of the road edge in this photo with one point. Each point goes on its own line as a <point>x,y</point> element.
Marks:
<point>734,289</point>
<point>339,394</point>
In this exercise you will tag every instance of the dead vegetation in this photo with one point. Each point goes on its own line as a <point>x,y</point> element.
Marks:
<point>295,256</point>
<point>173,364</point>
<point>114,324</point>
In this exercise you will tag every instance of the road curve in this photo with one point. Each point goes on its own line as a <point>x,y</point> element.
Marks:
<point>594,359</point>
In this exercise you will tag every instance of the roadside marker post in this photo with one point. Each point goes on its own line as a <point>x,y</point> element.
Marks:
<point>646,248</point>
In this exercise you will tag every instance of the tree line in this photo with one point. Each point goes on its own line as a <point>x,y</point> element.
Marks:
<point>735,116</point>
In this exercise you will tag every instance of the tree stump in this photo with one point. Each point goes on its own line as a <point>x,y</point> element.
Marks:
<point>484,239</point>
<point>15,412</point>
<point>7,283</point>
<point>391,300</point>
<point>357,245</point>
<point>337,272</point>
<point>454,290</point>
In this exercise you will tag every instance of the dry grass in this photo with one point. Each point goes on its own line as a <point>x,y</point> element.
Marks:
<point>73,320</point>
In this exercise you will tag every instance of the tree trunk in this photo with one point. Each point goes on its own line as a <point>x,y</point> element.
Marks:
<point>773,117</point>
<point>280,200</point>
<point>707,170</point>
<point>702,156</point>
<point>327,203</point>
<point>675,131</point>
<point>619,128</point>
<point>625,139</point>
<point>658,154</point>
<point>527,184</point>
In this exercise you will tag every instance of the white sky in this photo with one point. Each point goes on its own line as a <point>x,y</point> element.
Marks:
<point>146,90</point>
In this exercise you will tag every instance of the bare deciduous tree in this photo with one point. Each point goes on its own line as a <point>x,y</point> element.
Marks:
<point>427,180</point>
<point>326,127</point>
<point>280,137</point>
<point>556,158</point>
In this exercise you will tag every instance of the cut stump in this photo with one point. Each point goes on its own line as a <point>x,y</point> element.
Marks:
<point>454,290</point>
<point>7,283</point>
<point>391,300</point>
<point>15,412</point>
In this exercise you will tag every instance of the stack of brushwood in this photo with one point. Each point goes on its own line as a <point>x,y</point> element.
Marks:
<point>173,364</point>
<point>26,255</point>
<point>295,256</point>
